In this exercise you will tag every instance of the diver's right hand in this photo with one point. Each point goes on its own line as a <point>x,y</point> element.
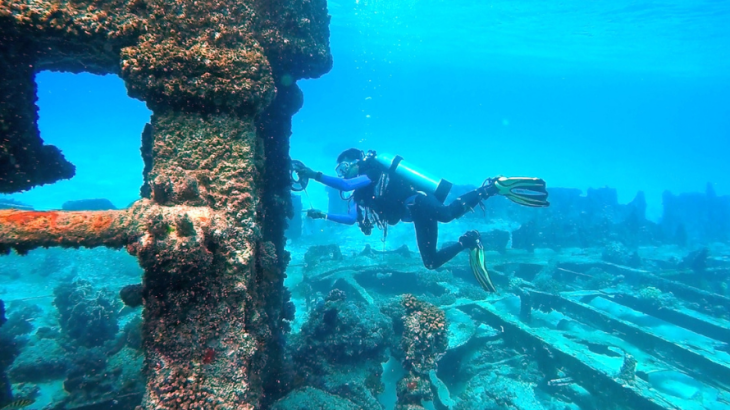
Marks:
<point>306,172</point>
<point>316,214</point>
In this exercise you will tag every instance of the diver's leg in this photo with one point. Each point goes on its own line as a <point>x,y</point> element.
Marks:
<point>456,209</point>
<point>427,236</point>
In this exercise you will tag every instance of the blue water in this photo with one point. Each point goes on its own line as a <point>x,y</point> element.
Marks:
<point>632,95</point>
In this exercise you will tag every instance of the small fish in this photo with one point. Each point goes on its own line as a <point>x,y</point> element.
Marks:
<point>18,404</point>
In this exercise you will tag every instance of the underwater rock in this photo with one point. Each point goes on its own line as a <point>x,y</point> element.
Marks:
<point>86,315</point>
<point>46,332</point>
<point>97,204</point>
<point>20,322</point>
<point>39,362</point>
<point>309,398</point>
<point>341,347</point>
<point>342,331</point>
<point>131,295</point>
<point>358,384</point>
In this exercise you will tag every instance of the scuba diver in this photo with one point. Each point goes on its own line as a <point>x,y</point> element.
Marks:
<point>387,190</point>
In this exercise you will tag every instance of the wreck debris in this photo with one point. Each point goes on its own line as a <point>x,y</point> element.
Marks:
<point>684,355</point>
<point>628,369</point>
<point>580,366</point>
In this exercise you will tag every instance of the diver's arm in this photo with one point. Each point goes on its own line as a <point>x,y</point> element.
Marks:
<point>342,184</point>
<point>348,219</point>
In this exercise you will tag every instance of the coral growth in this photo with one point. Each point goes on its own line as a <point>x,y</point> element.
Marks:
<point>340,349</point>
<point>413,390</point>
<point>86,315</point>
<point>341,332</point>
<point>657,298</point>
<point>425,335</point>
<point>628,369</point>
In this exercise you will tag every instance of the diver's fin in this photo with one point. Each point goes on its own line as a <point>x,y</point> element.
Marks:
<point>523,190</point>
<point>479,268</point>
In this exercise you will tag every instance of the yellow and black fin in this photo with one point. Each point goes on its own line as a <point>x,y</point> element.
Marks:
<point>478,264</point>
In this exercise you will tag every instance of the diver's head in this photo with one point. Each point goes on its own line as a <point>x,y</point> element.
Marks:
<point>348,163</point>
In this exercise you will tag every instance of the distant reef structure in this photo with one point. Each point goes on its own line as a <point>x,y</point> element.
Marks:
<point>696,217</point>
<point>96,204</point>
<point>598,219</point>
<point>9,203</point>
<point>220,77</point>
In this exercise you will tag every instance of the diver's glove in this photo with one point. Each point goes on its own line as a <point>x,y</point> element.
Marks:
<point>522,190</point>
<point>316,214</point>
<point>305,172</point>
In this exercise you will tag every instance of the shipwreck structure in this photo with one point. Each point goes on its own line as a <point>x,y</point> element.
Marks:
<point>220,77</point>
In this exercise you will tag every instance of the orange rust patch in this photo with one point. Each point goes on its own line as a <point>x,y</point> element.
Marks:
<point>22,218</point>
<point>101,222</point>
<point>58,222</point>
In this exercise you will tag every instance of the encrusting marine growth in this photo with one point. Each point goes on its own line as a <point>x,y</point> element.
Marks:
<point>209,232</point>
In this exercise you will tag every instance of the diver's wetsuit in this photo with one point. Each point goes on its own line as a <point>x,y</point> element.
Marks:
<point>400,201</point>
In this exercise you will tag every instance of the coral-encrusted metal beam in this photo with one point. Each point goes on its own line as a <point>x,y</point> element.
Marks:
<point>26,230</point>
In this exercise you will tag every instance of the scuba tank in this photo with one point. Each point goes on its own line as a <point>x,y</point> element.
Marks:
<point>419,178</point>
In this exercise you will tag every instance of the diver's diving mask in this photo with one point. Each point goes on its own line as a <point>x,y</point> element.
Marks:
<point>344,167</point>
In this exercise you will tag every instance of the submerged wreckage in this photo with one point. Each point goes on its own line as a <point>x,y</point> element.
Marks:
<point>220,78</point>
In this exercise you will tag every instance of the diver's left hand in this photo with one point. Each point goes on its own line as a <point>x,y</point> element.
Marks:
<point>316,214</point>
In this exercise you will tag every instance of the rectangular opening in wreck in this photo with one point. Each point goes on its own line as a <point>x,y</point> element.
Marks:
<point>66,336</point>
<point>98,128</point>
